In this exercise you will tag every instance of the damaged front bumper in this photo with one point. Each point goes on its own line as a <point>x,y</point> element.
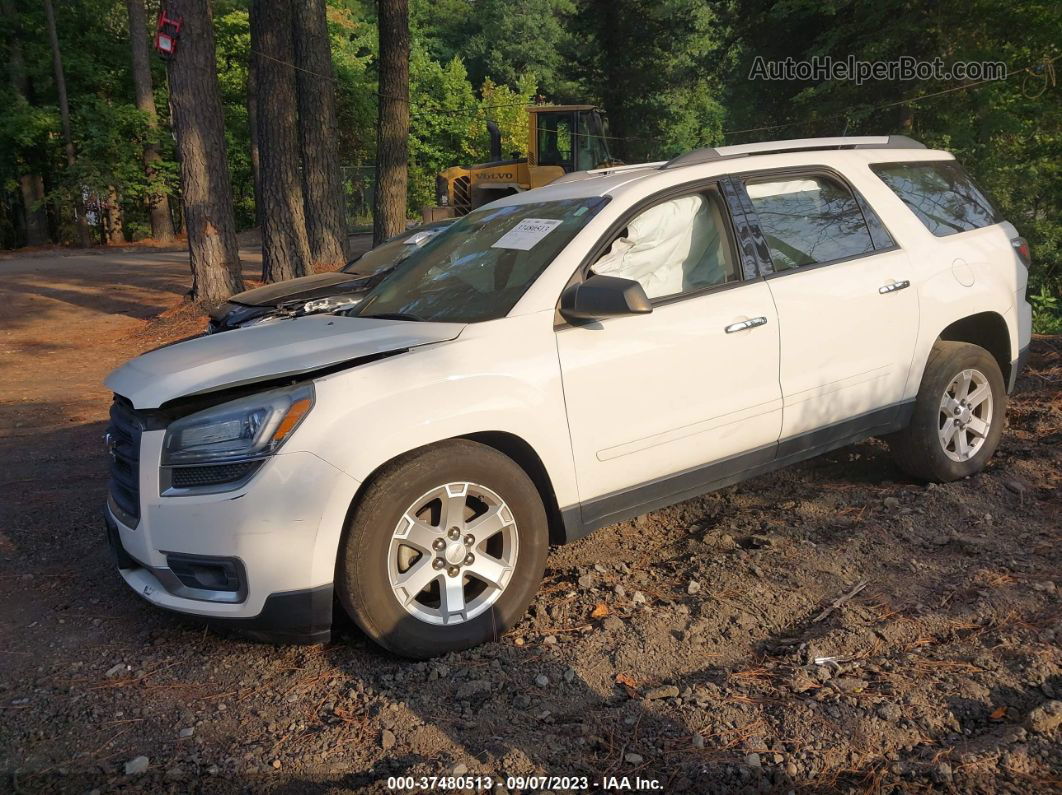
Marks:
<point>301,616</point>
<point>259,560</point>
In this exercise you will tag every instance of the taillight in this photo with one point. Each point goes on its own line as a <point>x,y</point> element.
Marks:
<point>1021,248</point>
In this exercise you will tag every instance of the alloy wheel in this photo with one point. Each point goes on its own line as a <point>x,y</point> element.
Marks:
<point>965,415</point>
<point>452,554</point>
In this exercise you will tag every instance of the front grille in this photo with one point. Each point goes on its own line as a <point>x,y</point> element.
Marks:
<point>123,435</point>
<point>212,475</point>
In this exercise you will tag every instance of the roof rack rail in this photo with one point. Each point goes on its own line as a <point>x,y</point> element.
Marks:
<point>710,154</point>
<point>575,176</point>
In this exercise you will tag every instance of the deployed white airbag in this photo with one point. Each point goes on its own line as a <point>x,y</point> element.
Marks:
<point>669,248</point>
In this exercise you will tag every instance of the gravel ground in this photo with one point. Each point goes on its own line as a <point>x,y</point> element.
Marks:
<point>832,627</point>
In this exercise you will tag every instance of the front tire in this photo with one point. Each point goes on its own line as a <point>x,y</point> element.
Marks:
<point>958,415</point>
<point>445,550</point>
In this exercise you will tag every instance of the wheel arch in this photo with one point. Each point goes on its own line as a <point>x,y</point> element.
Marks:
<point>524,455</point>
<point>988,330</point>
<point>508,444</point>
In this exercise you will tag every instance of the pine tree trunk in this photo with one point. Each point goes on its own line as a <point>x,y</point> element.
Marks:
<point>318,135</point>
<point>285,247</point>
<point>83,237</point>
<point>252,123</point>
<point>31,185</point>
<point>206,188</point>
<point>158,203</point>
<point>114,221</point>
<point>392,130</point>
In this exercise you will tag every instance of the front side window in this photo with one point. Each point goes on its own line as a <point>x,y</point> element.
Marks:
<point>941,194</point>
<point>808,220</point>
<point>675,247</point>
<point>478,269</point>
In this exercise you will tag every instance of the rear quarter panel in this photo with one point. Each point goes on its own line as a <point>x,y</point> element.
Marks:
<point>957,275</point>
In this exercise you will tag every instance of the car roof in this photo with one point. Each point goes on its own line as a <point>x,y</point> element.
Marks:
<point>645,178</point>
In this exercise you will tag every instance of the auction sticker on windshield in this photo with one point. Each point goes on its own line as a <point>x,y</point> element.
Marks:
<point>526,234</point>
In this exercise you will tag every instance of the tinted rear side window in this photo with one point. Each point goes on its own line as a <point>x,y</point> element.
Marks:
<point>941,194</point>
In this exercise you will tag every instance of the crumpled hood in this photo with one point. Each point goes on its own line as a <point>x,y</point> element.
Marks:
<point>260,353</point>
<point>306,287</point>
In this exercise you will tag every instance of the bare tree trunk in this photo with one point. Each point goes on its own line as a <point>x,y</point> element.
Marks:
<point>158,203</point>
<point>206,187</point>
<point>114,221</point>
<point>83,237</point>
<point>31,185</point>
<point>252,123</point>
<point>392,130</point>
<point>285,248</point>
<point>318,133</point>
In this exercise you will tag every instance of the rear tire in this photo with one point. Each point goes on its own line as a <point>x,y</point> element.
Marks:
<point>958,415</point>
<point>415,521</point>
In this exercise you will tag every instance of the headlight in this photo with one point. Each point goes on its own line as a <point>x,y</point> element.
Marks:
<point>248,428</point>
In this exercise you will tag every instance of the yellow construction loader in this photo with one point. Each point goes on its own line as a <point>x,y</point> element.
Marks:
<point>561,139</point>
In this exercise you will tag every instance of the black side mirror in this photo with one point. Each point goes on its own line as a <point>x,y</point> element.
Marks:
<point>603,296</point>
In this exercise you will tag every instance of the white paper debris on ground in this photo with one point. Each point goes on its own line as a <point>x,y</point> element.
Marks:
<point>526,234</point>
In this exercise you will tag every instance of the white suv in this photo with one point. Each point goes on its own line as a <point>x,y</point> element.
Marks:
<point>557,361</point>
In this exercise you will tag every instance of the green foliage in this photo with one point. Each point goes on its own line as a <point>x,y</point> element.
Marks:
<point>506,106</point>
<point>108,130</point>
<point>449,126</point>
<point>502,40</point>
<point>647,62</point>
<point>353,54</point>
<point>232,42</point>
<point>520,37</point>
<point>110,141</point>
<point>443,130</point>
<point>1047,312</point>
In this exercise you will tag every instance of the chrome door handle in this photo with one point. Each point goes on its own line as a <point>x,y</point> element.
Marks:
<point>894,287</point>
<point>752,322</point>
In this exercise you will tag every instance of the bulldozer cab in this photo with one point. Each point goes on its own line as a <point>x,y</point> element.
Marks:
<point>569,136</point>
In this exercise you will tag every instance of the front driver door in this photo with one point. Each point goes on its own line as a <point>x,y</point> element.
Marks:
<point>664,404</point>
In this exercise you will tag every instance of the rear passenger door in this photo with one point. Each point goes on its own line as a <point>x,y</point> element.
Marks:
<point>846,303</point>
